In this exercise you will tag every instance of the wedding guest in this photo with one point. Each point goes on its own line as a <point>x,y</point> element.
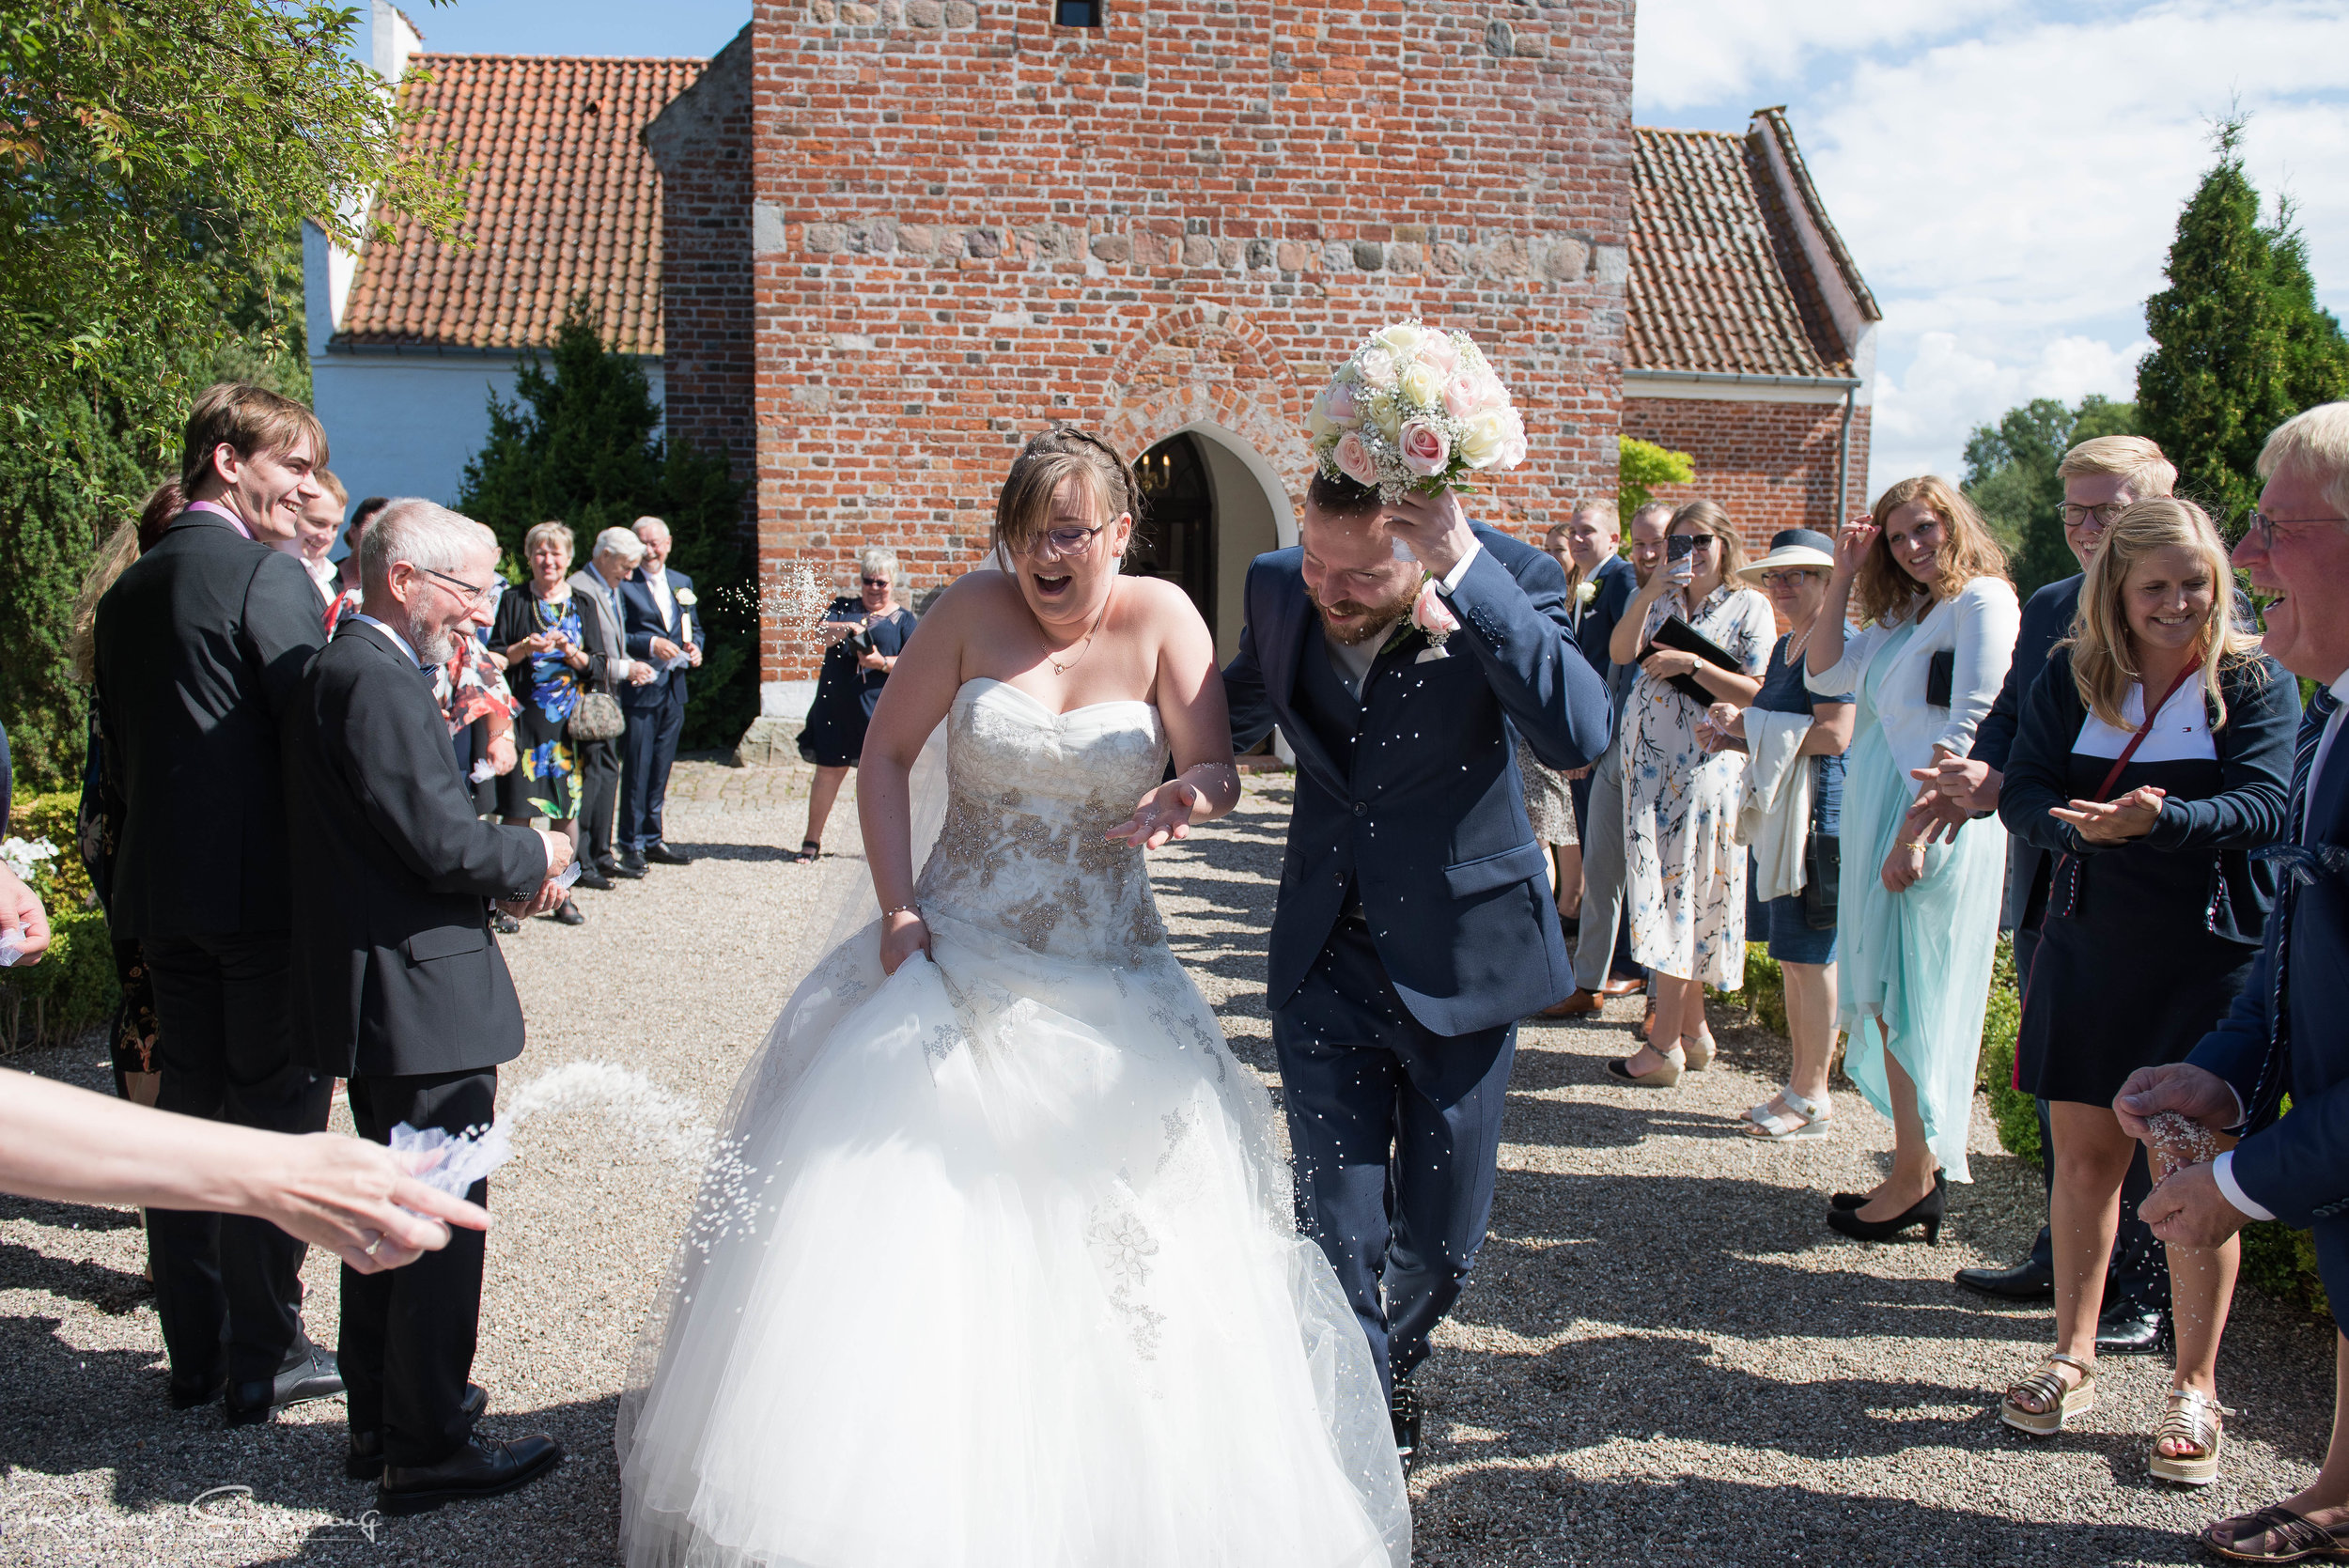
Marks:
<point>69,1146</point>
<point>615,553</point>
<point>2154,755</point>
<point>2101,478</point>
<point>399,987</point>
<point>1790,816</point>
<point>544,637</point>
<point>2283,1035</point>
<point>198,645</point>
<point>477,705</point>
<point>864,634</point>
<point>656,613</point>
<point>1685,876</point>
<point>1920,923</point>
<point>313,536</point>
<point>1602,945</point>
<point>347,598</point>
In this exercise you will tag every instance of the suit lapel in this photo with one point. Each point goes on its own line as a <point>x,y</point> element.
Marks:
<point>1290,644</point>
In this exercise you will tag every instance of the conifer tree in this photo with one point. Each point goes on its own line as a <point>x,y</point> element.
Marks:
<point>581,443</point>
<point>2241,344</point>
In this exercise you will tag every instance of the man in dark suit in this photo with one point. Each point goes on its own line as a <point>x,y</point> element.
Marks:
<point>198,646</point>
<point>1415,924</point>
<point>662,626</point>
<point>2284,1034</point>
<point>2101,477</point>
<point>398,984</point>
<point>612,556</point>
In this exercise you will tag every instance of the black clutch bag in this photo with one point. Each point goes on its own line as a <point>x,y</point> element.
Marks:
<point>1678,634</point>
<point>1940,670</point>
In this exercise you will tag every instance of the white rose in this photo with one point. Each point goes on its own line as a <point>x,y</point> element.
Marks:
<point>1422,385</point>
<point>685,596</point>
<point>1317,421</point>
<point>1585,592</point>
<point>1376,367</point>
<point>1386,413</point>
<point>1403,339</point>
<point>1483,441</point>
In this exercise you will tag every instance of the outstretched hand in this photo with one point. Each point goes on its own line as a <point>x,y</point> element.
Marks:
<point>352,1198</point>
<point>1162,814</point>
<point>2133,816</point>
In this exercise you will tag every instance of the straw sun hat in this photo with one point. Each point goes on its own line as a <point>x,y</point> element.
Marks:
<point>1794,547</point>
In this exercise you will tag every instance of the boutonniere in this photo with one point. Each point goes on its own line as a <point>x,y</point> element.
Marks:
<point>1584,593</point>
<point>685,597</point>
<point>1430,615</point>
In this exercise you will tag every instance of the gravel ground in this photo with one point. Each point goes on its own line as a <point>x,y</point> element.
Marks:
<point>1664,1353</point>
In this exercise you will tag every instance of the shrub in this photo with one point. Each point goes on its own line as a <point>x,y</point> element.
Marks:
<point>1766,988</point>
<point>64,882</point>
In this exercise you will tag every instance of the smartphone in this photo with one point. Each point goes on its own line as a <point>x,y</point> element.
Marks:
<point>1677,550</point>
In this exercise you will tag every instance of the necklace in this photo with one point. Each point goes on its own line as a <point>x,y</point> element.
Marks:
<point>1084,642</point>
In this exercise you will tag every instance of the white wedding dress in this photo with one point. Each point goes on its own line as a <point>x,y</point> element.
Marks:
<point>996,1267</point>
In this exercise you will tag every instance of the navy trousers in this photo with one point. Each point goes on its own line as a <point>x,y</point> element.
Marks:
<point>647,750</point>
<point>1395,1130</point>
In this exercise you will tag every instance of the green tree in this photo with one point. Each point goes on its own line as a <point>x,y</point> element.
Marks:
<point>581,443</point>
<point>2011,476</point>
<point>2241,343</point>
<point>1643,465</point>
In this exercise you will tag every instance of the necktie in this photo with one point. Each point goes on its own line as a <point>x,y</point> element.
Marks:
<point>2268,1091</point>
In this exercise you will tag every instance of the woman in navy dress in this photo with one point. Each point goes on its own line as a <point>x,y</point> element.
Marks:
<point>866,633</point>
<point>2153,756</point>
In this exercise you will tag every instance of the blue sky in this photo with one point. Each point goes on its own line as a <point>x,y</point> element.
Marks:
<point>2007,175</point>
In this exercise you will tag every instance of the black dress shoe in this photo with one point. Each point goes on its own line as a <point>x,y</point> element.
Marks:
<point>632,866</point>
<point>2027,1280</point>
<point>1403,1408</point>
<point>594,880</point>
<point>476,1469</point>
<point>2129,1329</point>
<point>364,1461</point>
<point>660,854</point>
<point>309,1374</point>
<point>569,914</point>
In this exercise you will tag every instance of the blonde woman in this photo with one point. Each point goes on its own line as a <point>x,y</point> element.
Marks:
<point>1684,871</point>
<point>2153,757</point>
<point>1920,923</point>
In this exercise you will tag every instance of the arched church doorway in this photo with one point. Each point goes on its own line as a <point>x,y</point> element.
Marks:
<point>1208,511</point>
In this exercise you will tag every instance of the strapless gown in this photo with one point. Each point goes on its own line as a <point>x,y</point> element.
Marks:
<point>996,1264</point>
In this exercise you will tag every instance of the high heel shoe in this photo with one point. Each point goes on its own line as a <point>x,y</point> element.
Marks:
<point>1662,1076</point>
<point>1854,1199</point>
<point>1699,1052</point>
<point>1926,1211</point>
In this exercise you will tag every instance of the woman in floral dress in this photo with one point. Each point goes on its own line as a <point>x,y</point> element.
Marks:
<point>547,658</point>
<point>1685,873</point>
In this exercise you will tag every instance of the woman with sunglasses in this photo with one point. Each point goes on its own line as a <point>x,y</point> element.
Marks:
<point>864,634</point>
<point>1684,871</point>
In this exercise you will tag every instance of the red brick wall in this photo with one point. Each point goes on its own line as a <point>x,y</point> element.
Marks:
<point>1771,465</point>
<point>977,223</point>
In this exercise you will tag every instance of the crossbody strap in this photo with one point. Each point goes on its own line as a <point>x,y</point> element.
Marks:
<point>2103,791</point>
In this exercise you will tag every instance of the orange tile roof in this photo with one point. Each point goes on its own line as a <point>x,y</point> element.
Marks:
<point>562,198</point>
<point>1719,279</point>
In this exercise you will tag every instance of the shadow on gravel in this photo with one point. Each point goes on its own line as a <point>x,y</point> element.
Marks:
<point>754,852</point>
<point>110,1289</point>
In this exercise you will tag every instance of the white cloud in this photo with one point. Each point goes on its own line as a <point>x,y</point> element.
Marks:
<point>2010,187</point>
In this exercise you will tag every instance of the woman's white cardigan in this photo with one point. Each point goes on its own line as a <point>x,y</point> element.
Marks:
<point>1980,625</point>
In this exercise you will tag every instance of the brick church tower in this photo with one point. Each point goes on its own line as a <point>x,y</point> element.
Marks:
<point>900,237</point>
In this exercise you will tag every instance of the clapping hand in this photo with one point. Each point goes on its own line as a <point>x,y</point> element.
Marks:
<point>2133,816</point>
<point>1164,814</point>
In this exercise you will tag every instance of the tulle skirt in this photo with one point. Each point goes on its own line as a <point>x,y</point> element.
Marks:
<point>997,1267</point>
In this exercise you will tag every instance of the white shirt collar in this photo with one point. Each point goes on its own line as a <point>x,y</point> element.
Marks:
<point>398,641</point>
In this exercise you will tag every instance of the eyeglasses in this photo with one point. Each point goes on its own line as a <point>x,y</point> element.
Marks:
<point>2076,516</point>
<point>1792,574</point>
<point>472,595</point>
<point>876,582</point>
<point>1065,541</point>
<point>2263,527</point>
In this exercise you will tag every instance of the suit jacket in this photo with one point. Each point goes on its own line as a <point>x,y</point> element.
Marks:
<point>2046,621</point>
<point>396,970</point>
<point>599,627</point>
<point>2296,1166</point>
<point>2255,767</point>
<point>641,621</point>
<point>1595,627</point>
<point>1978,626</point>
<point>198,646</point>
<point>1414,796</point>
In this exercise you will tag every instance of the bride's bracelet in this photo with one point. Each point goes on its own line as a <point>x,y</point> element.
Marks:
<point>913,909</point>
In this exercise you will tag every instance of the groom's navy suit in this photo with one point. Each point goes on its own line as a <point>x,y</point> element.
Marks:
<point>1415,923</point>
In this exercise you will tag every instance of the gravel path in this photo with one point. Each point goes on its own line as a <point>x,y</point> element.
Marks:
<point>1664,1355</point>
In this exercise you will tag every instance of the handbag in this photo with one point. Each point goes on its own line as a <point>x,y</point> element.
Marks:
<point>1822,871</point>
<point>598,717</point>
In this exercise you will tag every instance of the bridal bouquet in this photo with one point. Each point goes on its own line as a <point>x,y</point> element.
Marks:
<point>1414,409</point>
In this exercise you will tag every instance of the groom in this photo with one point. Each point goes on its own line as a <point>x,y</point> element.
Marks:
<point>1415,923</point>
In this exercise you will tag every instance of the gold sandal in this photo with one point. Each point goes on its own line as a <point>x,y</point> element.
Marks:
<point>2191,1418</point>
<point>2047,1387</point>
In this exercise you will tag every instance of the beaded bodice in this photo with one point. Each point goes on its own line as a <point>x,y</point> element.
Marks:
<point>1030,794</point>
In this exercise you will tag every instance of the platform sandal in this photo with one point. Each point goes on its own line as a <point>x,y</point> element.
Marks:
<point>2047,1386</point>
<point>2191,1418</point>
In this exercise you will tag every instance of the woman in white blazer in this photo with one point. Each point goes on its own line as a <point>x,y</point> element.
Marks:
<point>1919,922</point>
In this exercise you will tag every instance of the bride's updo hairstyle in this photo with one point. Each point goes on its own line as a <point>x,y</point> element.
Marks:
<point>1024,509</point>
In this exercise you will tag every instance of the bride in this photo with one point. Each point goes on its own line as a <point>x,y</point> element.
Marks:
<point>996,1264</point>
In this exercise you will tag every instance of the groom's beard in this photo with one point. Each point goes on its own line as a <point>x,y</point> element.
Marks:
<point>1376,620</point>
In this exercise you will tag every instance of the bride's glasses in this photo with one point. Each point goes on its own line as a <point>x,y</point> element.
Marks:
<point>1064,541</point>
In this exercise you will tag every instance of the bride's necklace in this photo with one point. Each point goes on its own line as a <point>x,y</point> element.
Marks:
<point>1083,645</point>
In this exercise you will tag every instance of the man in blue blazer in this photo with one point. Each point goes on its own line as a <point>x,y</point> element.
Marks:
<point>659,619</point>
<point>2101,477</point>
<point>2285,1034</point>
<point>1415,924</point>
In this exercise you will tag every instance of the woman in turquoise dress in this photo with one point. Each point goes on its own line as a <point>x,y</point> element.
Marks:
<point>1919,921</point>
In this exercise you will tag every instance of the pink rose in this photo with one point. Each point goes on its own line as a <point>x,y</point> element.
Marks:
<point>1425,450</point>
<point>1377,366</point>
<point>1353,460</point>
<point>1431,614</point>
<point>1460,396</point>
<point>1489,392</point>
<point>1342,409</point>
<point>1438,355</point>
